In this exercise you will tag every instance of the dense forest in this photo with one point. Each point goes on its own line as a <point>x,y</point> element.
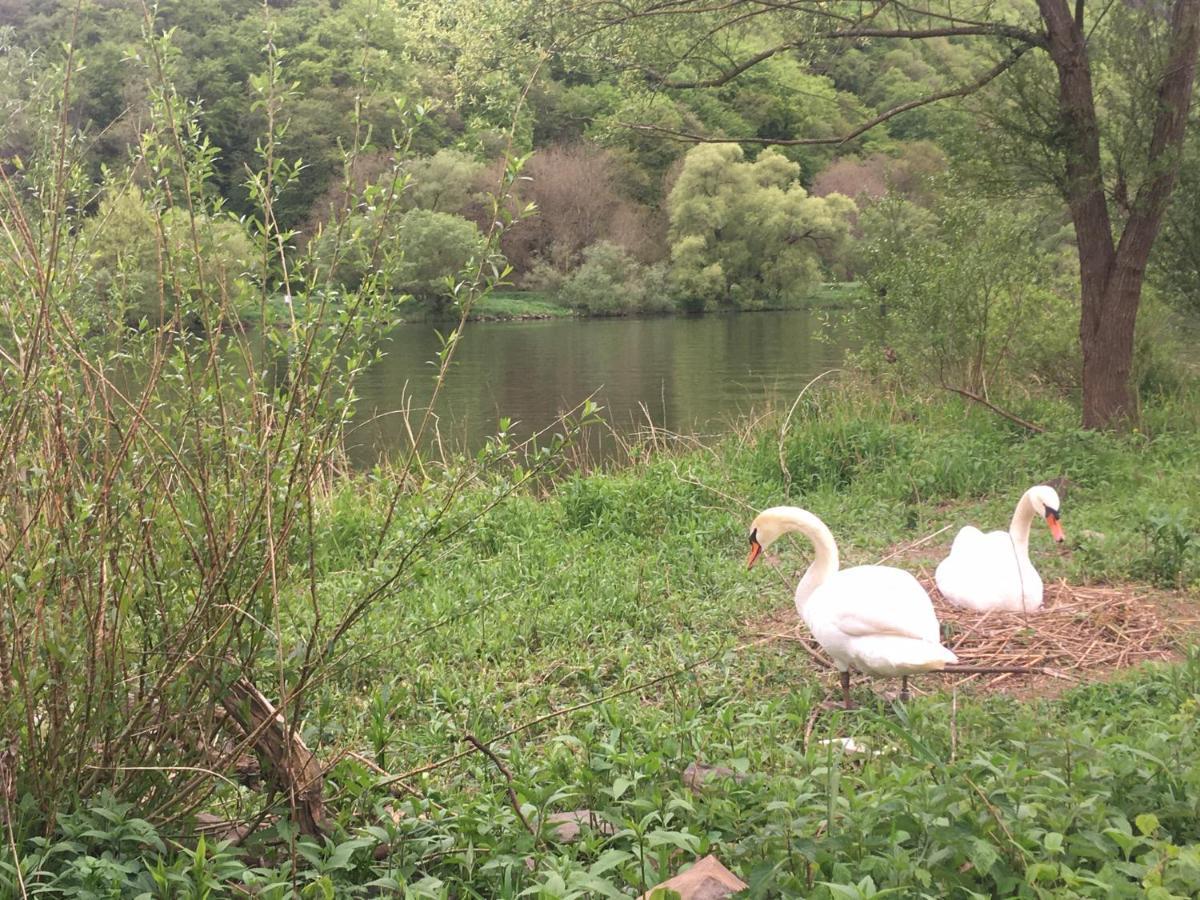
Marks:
<point>401,118</point>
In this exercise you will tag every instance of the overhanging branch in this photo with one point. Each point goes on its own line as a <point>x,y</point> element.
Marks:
<point>1009,32</point>
<point>961,91</point>
<point>1170,124</point>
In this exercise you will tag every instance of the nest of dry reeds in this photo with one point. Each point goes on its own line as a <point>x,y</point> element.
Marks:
<point>1079,633</point>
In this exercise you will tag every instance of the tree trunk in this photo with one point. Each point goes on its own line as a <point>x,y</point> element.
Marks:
<point>1106,326</point>
<point>1111,274</point>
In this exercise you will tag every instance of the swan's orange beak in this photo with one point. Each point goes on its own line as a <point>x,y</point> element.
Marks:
<point>1055,527</point>
<point>755,550</point>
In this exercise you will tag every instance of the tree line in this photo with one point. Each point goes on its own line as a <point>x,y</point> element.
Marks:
<point>678,156</point>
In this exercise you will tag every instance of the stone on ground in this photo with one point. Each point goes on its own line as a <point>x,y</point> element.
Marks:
<point>567,825</point>
<point>706,880</point>
<point>698,774</point>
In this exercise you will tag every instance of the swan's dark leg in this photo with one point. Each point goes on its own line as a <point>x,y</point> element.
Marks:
<point>846,689</point>
<point>905,696</point>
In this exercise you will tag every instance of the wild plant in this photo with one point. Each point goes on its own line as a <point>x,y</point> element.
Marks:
<point>168,445</point>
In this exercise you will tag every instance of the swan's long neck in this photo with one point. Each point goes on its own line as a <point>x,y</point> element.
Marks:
<point>825,557</point>
<point>1018,529</point>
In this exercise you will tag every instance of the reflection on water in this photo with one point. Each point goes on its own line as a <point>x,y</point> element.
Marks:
<point>687,374</point>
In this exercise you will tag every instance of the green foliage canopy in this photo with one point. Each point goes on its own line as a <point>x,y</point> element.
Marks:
<point>745,233</point>
<point>963,295</point>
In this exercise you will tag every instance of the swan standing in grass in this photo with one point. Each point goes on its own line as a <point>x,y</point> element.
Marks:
<point>876,619</point>
<point>993,571</point>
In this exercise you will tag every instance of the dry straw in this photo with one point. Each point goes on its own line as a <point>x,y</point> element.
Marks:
<point>1081,633</point>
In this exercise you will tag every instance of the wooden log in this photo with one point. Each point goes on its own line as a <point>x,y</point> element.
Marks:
<point>282,755</point>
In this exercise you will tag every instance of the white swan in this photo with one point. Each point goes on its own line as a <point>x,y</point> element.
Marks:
<point>993,571</point>
<point>875,618</point>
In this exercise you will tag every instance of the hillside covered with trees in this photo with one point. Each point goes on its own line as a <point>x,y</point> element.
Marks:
<point>841,162</point>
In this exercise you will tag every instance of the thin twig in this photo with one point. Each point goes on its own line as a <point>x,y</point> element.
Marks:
<point>804,645</point>
<point>913,545</point>
<point>953,723</point>
<point>512,794</point>
<point>400,786</point>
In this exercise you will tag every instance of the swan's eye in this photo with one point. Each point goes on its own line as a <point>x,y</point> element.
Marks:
<point>1051,512</point>
<point>753,536</point>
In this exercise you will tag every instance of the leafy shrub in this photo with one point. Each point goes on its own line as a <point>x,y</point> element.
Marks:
<point>436,250</point>
<point>444,182</point>
<point>144,262</point>
<point>611,282</point>
<point>965,300</point>
<point>747,234</point>
<point>1160,346</point>
<point>543,276</point>
<point>1171,543</point>
<point>1175,265</point>
<point>421,253</point>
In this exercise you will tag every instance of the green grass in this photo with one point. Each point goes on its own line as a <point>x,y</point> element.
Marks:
<point>519,305</point>
<point>612,580</point>
<point>515,304</point>
<point>835,294</point>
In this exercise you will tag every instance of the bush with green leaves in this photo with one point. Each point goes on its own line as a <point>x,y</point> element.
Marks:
<point>1175,265</point>
<point>436,250</point>
<point>1171,541</point>
<point>611,282</point>
<point>443,182</point>
<point>747,234</point>
<point>161,485</point>
<point>421,253</point>
<point>142,256</point>
<point>964,297</point>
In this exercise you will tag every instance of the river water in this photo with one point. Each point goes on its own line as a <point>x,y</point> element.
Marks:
<point>686,375</point>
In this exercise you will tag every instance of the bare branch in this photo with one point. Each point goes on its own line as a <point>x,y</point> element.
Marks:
<point>728,75</point>
<point>980,29</point>
<point>1012,417</point>
<point>512,794</point>
<point>1027,38</point>
<point>961,91</point>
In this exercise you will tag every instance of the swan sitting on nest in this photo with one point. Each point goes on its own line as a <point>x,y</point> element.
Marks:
<point>993,571</point>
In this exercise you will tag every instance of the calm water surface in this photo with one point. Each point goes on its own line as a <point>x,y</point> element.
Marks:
<point>689,375</point>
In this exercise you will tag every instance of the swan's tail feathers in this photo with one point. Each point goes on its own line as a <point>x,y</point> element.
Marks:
<point>893,655</point>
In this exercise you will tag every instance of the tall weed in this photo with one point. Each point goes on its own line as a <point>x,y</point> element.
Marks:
<point>162,484</point>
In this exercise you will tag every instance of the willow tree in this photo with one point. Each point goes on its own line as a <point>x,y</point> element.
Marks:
<point>1116,187</point>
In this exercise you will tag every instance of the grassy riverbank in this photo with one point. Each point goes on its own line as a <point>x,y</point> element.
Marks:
<point>519,305</point>
<point>516,305</point>
<point>596,633</point>
<point>513,304</point>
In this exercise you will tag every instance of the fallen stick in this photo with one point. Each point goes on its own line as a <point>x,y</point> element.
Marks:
<point>993,670</point>
<point>292,765</point>
<point>914,545</point>
<point>395,787</point>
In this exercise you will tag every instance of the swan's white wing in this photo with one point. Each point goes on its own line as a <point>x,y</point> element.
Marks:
<point>885,654</point>
<point>984,574</point>
<point>878,600</point>
<point>967,538</point>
